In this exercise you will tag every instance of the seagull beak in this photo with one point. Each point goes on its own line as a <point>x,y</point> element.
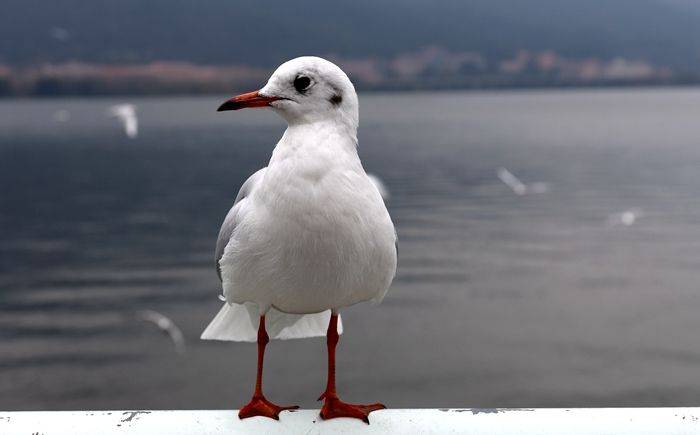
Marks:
<point>251,99</point>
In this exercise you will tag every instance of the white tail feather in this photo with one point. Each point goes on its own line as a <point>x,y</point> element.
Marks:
<point>236,322</point>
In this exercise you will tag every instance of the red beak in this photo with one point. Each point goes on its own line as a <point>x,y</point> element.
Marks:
<point>251,99</point>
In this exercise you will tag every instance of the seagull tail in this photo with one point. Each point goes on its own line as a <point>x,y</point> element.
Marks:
<point>236,322</point>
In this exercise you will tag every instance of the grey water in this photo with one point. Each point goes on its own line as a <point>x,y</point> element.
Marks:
<point>501,300</point>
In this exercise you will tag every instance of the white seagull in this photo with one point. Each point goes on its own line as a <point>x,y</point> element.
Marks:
<point>126,113</point>
<point>309,234</point>
<point>517,186</point>
<point>166,325</point>
<point>626,218</point>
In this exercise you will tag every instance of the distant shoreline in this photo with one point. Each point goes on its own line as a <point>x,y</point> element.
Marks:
<point>427,70</point>
<point>378,89</point>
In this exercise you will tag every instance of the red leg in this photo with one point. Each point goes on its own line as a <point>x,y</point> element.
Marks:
<point>259,405</point>
<point>333,407</point>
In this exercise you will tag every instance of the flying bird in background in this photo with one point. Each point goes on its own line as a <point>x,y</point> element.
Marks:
<point>626,218</point>
<point>126,114</point>
<point>517,186</point>
<point>309,234</point>
<point>167,326</point>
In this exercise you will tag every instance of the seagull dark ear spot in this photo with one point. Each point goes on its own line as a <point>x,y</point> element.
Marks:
<point>336,99</point>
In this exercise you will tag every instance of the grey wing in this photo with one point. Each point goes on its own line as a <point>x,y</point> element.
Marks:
<point>231,218</point>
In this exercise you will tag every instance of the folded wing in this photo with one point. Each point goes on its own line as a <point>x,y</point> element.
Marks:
<point>239,322</point>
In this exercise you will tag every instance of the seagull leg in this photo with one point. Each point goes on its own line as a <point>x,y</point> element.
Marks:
<point>259,406</point>
<point>333,407</point>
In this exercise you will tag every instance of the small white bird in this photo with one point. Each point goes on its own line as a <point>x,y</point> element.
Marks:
<point>165,325</point>
<point>517,186</point>
<point>126,114</point>
<point>309,234</point>
<point>626,218</point>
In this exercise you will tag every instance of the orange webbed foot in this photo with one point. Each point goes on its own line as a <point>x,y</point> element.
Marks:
<point>261,407</point>
<point>335,408</point>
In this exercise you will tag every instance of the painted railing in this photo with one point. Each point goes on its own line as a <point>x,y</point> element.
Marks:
<point>399,421</point>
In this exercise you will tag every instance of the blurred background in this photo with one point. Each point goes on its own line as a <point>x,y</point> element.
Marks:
<point>541,158</point>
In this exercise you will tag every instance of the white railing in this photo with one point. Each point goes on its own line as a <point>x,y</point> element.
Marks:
<point>399,421</point>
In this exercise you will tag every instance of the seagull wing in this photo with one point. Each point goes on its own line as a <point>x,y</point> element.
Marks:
<point>166,325</point>
<point>238,322</point>
<point>511,181</point>
<point>231,218</point>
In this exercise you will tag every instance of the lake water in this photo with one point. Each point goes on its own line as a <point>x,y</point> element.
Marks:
<point>500,300</point>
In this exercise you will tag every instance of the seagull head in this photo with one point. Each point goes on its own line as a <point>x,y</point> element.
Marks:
<point>304,90</point>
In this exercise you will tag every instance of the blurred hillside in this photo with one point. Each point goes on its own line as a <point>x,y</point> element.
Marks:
<point>77,46</point>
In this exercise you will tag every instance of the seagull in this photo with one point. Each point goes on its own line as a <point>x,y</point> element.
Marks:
<point>167,326</point>
<point>126,113</point>
<point>307,235</point>
<point>517,186</point>
<point>626,218</point>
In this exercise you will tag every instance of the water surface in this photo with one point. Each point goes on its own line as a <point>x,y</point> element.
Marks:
<point>500,300</point>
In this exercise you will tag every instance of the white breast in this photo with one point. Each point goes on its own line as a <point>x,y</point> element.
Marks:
<point>315,234</point>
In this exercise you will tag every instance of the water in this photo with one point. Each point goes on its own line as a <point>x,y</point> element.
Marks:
<point>500,300</point>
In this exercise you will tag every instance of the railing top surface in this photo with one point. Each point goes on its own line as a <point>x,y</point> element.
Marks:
<point>400,421</point>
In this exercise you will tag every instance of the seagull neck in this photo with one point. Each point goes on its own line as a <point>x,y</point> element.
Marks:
<point>326,133</point>
<point>315,147</point>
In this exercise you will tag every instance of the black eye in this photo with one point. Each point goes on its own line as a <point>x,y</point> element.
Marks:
<point>302,83</point>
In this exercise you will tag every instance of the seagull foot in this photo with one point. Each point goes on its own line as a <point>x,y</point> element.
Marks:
<point>334,408</point>
<point>259,406</point>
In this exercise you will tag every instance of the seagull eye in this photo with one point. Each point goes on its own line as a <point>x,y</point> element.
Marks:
<point>302,83</point>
